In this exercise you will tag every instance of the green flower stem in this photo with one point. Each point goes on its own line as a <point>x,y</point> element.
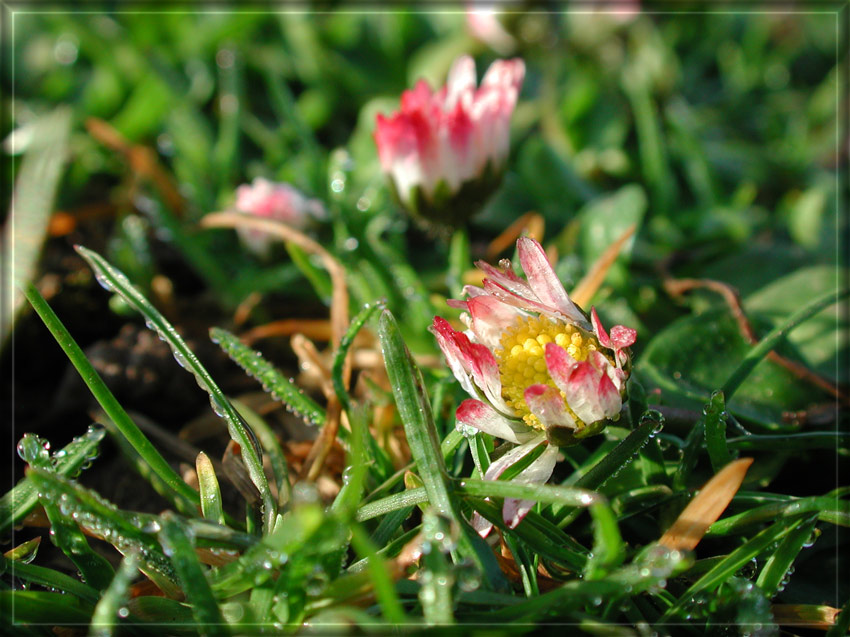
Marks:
<point>106,399</point>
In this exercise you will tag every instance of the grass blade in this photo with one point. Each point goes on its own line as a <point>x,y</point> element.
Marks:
<point>341,353</point>
<point>381,580</point>
<point>49,578</point>
<point>31,207</point>
<point>115,281</point>
<point>273,381</point>
<point>715,431</point>
<point>415,411</point>
<point>107,400</point>
<point>779,563</point>
<point>109,608</point>
<point>205,609</point>
<point>210,492</point>
<point>67,462</point>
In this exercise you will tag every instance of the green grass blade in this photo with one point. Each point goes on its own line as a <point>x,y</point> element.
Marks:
<point>107,400</point>
<point>620,456</point>
<point>381,580</point>
<point>32,204</point>
<point>104,620</point>
<point>715,432</point>
<point>210,491</point>
<point>778,565</point>
<point>39,607</point>
<point>49,578</point>
<point>775,337</point>
<point>791,442</point>
<point>827,507</point>
<point>271,445</point>
<point>100,517</point>
<point>318,278</point>
<point>67,462</point>
<point>733,562</point>
<point>115,281</point>
<point>354,328</point>
<point>64,532</point>
<point>459,261</point>
<point>177,545</point>
<point>415,412</point>
<point>280,387</point>
<point>391,503</point>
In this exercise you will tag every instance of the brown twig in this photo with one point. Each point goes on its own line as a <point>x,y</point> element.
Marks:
<point>677,287</point>
<point>339,310</point>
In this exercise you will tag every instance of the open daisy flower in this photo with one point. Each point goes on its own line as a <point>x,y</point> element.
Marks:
<point>540,372</point>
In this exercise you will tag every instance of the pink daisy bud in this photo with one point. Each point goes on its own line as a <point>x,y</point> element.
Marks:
<point>445,151</point>
<point>278,201</point>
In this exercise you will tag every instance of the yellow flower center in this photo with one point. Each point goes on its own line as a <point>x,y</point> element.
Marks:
<point>522,363</point>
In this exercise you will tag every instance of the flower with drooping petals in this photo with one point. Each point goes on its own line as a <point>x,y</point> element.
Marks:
<point>273,200</point>
<point>540,372</point>
<point>445,151</point>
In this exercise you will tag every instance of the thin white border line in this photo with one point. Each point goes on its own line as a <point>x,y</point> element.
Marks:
<point>840,78</point>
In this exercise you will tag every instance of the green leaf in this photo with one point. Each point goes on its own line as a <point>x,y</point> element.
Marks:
<point>824,338</point>
<point>689,358</point>
<point>67,462</point>
<point>354,328</point>
<point>107,400</point>
<point>280,387</point>
<point>251,453</point>
<point>177,545</point>
<point>32,204</point>
<point>381,580</point>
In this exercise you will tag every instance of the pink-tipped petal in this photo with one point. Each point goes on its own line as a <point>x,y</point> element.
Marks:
<point>622,336</point>
<point>527,303</point>
<point>490,318</point>
<point>513,456</point>
<point>453,353</point>
<point>599,330</point>
<point>559,363</point>
<point>481,524</point>
<point>478,415</point>
<point>538,472</point>
<point>544,282</point>
<point>546,403</point>
<point>506,278</point>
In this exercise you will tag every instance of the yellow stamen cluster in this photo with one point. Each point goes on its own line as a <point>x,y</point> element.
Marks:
<point>522,363</point>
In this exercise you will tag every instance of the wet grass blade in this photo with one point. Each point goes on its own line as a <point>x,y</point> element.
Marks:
<point>271,445</point>
<point>381,580</point>
<point>210,492</point>
<point>827,507</point>
<point>177,545</point>
<point>347,339</point>
<point>107,400</point>
<point>715,432</point>
<point>115,281</point>
<point>415,412</point>
<point>49,578</point>
<point>104,620</point>
<point>101,518</point>
<point>620,456</point>
<point>273,381</point>
<point>64,532</point>
<point>731,564</point>
<point>778,565</point>
<point>67,462</point>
